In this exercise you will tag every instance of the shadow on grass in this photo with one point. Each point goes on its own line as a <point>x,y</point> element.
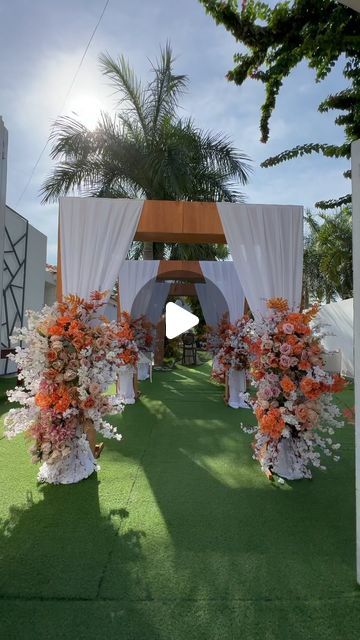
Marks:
<point>60,546</point>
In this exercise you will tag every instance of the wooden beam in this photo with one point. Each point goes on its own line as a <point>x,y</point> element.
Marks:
<point>180,221</point>
<point>188,270</point>
<point>183,289</point>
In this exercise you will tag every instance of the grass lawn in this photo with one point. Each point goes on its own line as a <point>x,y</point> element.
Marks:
<point>180,536</point>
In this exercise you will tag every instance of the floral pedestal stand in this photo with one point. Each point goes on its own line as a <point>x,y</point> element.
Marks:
<point>144,366</point>
<point>236,387</point>
<point>288,464</point>
<point>77,464</point>
<point>125,387</point>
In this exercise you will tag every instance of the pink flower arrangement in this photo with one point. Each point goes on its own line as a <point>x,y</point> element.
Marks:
<point>234,351</point>
<point>71,356</point>
<point>294,394</point>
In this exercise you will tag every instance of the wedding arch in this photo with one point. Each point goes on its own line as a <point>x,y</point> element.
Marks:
<point>265,241</point>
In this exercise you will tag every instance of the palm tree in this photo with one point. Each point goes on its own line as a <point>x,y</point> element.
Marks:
<point>328,257</point>
<point>145,150</point>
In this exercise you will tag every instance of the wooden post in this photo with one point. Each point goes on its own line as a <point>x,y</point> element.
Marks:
<point>159,342</point>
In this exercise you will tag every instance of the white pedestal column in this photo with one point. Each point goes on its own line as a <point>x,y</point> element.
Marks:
<point>237,386</point>
<point>126,385</point>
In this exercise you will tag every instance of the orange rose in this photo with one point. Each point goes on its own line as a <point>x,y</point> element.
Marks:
<point>63,320</point>
<point>304,365</point>
<point>51,355</point>
<point>43,400</point>
<point>287,384</point>
<point>55,331</point>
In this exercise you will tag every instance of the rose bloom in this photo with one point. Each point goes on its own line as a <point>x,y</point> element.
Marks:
<point>266,392</point>
<point>275,391</point>
<point>52,355</point>
<point>286,349</point>
<point>94,388</point>
<point>302,413</point>
<point>285,362</point>
<point>272,360</point>
<point>313,417</point>
<point>288,327</point>
<point>263,404</point>
<point>287,384</point>
<point>57,346</point>
<point>304,365</point>
<point>70,375</point>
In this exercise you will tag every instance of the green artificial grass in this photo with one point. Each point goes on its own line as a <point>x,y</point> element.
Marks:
<point>180,536</point>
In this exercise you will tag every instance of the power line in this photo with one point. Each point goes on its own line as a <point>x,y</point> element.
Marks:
<point>64,102</point>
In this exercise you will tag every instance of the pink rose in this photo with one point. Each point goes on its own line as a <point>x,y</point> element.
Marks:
<point>94,388</point>
<point>266,392</point>
<point>285,362</point>
<point>286,349</point>
<point>288,328</point>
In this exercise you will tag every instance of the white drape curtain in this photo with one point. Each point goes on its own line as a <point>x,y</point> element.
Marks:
<point>137,277</point>
<point>338,320</point>
<point>222,274</point>
<point>95,235</point>
<point>158,299</point>
<point>212,302</point>
<point>266,244</point>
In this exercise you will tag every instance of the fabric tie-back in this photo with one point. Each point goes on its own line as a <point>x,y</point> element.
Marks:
<point>95,236</point>
<point>338,320</point>
<point>136,285</point>
<point>266,244</point>
<point>227,295</point>
<point>158,298</point>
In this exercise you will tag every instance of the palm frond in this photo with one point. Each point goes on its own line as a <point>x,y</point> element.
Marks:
<point>132,95</point>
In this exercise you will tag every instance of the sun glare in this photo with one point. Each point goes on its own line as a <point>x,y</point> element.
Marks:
<point>85,108</point>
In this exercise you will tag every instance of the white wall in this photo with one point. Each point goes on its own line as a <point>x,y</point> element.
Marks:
<point>23,276</point>
<point>355,178</point>
<point>50,288</point>
<point>3,172</point>
<point>35,270</point>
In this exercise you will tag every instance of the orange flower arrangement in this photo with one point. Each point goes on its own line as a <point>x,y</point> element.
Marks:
<point>70,359</point>
<point>293,391</point>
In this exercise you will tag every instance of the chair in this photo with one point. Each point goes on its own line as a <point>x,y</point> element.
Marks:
<point>189,349</point>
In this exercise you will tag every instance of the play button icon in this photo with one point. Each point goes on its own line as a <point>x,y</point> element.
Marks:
<point>178,320</point>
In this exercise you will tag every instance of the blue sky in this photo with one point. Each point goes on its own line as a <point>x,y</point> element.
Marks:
<point>41,44</point>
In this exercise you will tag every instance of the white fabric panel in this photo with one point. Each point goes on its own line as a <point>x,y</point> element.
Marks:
<point>339,316</point>
<point>95,237</point>
<point>266,244</point>
<point>137,276</point>
<point>212,302</point>
<point>224,275</point>
<point>158,299</point>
